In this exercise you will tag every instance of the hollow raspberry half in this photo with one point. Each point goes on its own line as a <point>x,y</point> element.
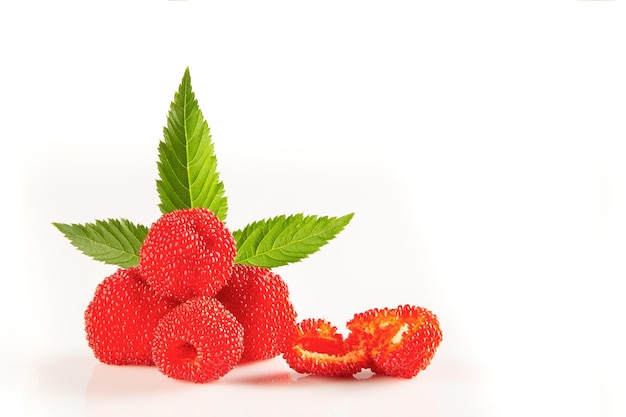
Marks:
<point>259,299</point>
<point>401,341</point>
<point>121,317</point>
<point>187,253</point>
<point>316,348</point>
<point>198,341</point>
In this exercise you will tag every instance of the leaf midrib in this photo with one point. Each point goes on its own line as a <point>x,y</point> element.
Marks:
<point>187,164</point>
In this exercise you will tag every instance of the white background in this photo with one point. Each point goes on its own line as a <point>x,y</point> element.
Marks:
<point>478,143</point>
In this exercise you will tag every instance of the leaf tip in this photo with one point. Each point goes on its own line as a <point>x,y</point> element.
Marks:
<point>347,217</point>
<point>59,226</point>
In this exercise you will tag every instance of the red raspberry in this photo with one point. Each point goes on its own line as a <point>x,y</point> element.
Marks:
<point>120,319</point>
<point>401,341</point>
<point>198,341</point>
<point>259,299</point>
<point>316,348</point>
<point>187,253</point>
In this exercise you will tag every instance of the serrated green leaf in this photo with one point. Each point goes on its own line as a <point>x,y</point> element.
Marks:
<point>112,241</point>
<point>283,239</point>
<point>187,165</point>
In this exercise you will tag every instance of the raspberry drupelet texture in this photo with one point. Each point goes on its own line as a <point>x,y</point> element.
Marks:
<point>198,341</point>
<point>187,253</point>
<point>120,319</point>
<point>259,299</point>
<point>316,348</point>
<point>401,341</point>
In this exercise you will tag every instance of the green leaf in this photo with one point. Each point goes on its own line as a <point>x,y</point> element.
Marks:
<point>112,241</point>
<point>285,239</point>
<point>188,176</point>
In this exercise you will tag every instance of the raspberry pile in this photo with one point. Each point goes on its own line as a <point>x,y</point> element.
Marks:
<point>189,310</point>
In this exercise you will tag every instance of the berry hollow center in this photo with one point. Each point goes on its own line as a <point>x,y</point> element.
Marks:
<point>397,338</point>
<point>321,345</point>
<point>183,352</point>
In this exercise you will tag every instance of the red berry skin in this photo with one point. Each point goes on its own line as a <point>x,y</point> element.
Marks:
<point>259,299</point>
<point>401,341</point>
<point>316,348</point>
<point>187,253</point>
<point>198,341</point>
<point>120,319</point>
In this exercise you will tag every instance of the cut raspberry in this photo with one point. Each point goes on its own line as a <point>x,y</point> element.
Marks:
<point>198,341</point>
<point>401,341</point>
<point>316,348</point>
<point>187,253</point>
<point>259,299</point>
<point>120,319</point>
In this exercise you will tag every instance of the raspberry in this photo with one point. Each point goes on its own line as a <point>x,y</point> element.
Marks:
<point>120,319</point>
<point>401,341</point>
<point>198,341</point>
<point>316,348</point>
<point>259,299</point>
<point>187,253</point>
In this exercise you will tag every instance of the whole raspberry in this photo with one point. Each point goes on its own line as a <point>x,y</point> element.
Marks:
<point>259,299</point>
<point>187,253</point>
<point>316,348</point>
<point>198,341</point>
<point>120,319</point>
<point>401,341</point>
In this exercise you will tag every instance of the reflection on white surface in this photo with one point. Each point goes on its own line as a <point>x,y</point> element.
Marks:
<point>80,386</point>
